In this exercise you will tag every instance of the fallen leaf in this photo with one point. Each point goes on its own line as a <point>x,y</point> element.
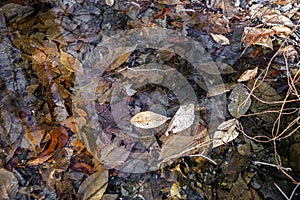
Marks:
<point>94,186</point>
<point>237,98</point>
<point>40,160</point>
<point>148,119</point>
<point>8,184</point>
<point>83,167</point>
<point>70,62</point>
<point>248,75</point>
<point>274,17</point>
<point>258,36</point>
<point>225,133</point>
<point>220,39</point>
<point>109,2</point>
<point>183,144</point>
<point>183,119</point>
<point>282,31</point>
<point>175,191</point>
<point>59,137</point>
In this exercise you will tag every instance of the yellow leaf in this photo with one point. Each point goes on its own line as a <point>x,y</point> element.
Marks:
<point>248,75</point>
<point>148,119</point>
<point>70,62</point>
<point>220,39</point>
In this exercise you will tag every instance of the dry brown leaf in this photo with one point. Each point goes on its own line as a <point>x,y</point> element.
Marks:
<point>70,62</point>
<point>226,132</point>
<point>148,119</point>
<point>274,17</point>
<point>220,39</point>
<point>94,186</point>
<point>248,75</point>
<point>258,36</point>
<point>282,31</point>
<point>282,2</point>
<point>183,119</point>
<point>237,106</point>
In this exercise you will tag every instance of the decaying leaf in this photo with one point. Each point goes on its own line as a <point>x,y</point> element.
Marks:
<point>268,94</point>
<point>238,104</point>
<point>258,36</point>
<point>220,39</point>
<point>226,132</point>
<point>248,75</point>
<point>181,145</point>
<point>148,119</point>
<point>183,119</point>
<point>8,184</point>
<point>94,186</point>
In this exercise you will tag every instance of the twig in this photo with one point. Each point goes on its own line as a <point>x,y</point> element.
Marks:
<point>293,193</point>
<point>272,165</point>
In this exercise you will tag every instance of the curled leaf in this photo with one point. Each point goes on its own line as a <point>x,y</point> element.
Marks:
<point>226,132</point>
<point>148,119</point>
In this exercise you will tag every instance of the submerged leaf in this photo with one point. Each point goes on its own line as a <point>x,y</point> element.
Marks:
<point>183,119</point>
<point>148,119</point>
<point>94,186</point>
<point>226,132</point>
<point>239,101</point>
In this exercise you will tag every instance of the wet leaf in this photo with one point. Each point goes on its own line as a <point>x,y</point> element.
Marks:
<point>8,184</point>
<point>248,75</point>
<point>148,119</point>
<point>94,186</point>
<point>59,137</point>
<point>237,98</point>
<point>220,39</point>
<point>183,119</point>
<point>181,144</point>
<point>174,146</point>
<point>226,132</point>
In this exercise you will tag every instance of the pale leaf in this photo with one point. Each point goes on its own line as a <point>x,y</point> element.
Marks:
<point>239,101</point>
<point>148,119</point>
<point>183,119</point>
<point>109,2</point>
<point>94,186</point>
<point>220,39</point>
<point>226,132</point>
<point>248,75</point>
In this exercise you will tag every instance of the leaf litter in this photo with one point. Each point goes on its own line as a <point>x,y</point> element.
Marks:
<point>39,139</point>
